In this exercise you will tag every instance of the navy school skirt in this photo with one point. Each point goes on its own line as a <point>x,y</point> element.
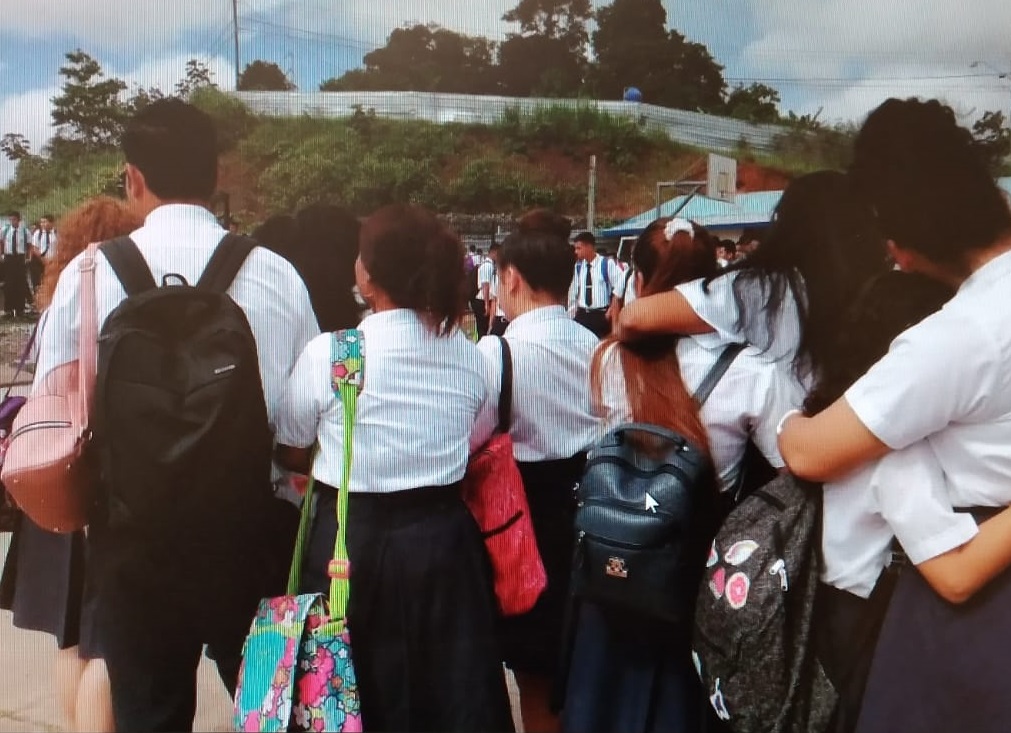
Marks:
<point>941,667</point>
<point>43,584</point>
<point>422,612</point>
<point>532,642</point>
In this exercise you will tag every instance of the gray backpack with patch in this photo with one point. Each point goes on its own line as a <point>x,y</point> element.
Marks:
<point>754,643</point>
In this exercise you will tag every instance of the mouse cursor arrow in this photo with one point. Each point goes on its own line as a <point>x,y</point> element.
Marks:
<point>651,503</point>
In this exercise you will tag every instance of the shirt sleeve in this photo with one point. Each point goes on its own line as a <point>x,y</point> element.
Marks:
<point>917,388</point>
<point>57,337</point>
<point>776,393</point>
<point>617,279</point>
<point>614,405</point>
<point>909,486</point>
<point>302,401</point>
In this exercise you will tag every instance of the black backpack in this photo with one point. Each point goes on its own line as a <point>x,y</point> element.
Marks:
<point>645,518</point>
<point>179,414</point>
<point>753,643</point>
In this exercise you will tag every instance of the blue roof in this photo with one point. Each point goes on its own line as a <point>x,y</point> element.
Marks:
<point>748,210</point>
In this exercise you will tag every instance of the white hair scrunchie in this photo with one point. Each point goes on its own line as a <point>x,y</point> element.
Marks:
<point>678,225</point>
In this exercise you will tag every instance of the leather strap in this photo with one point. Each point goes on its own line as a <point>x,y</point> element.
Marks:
<point>505,397</point>
<point>716,373</point>
<point>87,363</point>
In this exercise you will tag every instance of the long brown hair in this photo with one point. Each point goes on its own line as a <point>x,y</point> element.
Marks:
<point>653,384</point>
<point>97,220</point>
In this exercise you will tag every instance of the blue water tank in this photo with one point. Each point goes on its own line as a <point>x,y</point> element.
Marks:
<point>632,94</point>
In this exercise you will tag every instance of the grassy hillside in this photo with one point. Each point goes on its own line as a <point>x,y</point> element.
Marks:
<point>274,165</point>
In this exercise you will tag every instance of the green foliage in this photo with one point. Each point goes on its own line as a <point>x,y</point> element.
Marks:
<point>89,109</point>
<point>424,58</point>
<point>232,119</point>
<point>994,140</point>
<point>42,185</point>
<point>754,103</point>
<point>198,76</point>
<point>810,146</point>
<point>264,76</point>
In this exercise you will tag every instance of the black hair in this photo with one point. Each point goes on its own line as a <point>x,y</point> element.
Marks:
<point>586,237</point>
<point>473,249</point>
<point>888,305</point>
<point>418,262</point>
<point>545,220</point>
<point>174,145</point>
<point>324,253</point>
<point>822,247</point>
<point>278,234</point>
<point>928,181</point>
<point>49,217</point>
<point>494,247</point>
<point>545,260</point>
<point>14,212</point>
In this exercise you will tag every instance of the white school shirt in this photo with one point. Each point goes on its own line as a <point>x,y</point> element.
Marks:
<point>416,418</point>
<point>180,239</point>
<point>493,293</point>
<point>716,305</point>
<point>902,495</point>
<point>747,403</point>
<point>485,274</point>
<point>39,241</point>
<point>948,379</point>
<point>602,294</point>
<point>19,237</point>
<point>552,415</point>
<point>626,291</point>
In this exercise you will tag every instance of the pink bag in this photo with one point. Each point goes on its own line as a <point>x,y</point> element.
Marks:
<point>48,469</point>
<point>493,491</point>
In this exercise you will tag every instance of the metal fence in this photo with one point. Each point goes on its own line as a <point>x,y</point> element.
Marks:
<point>709,132</point>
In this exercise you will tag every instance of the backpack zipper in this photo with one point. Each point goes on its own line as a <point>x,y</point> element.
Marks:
<point>667,468</point>
<point>42,424</point>
<point>637,508</point>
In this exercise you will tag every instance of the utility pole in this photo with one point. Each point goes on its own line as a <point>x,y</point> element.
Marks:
<point>591,200</point>
<point>235,28</point>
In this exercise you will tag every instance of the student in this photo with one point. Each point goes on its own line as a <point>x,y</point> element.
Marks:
<point>552,427</point>
<point>635,674</point>
<point>43,577</point>
<point>944,380</point>
<point>596,283</point>
<point>482,301</point>
<point>17,246</point>
<point>786,297</point>
<point>422,608</point>
<point>151,622</point>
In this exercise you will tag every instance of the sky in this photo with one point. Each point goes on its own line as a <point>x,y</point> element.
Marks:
<point>835,58</point>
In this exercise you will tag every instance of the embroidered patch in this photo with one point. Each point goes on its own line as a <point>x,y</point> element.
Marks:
<point>718,583</point>
<point>719,705</point>
<point>740,552</point>
<point>714,556</point>
<point>737,590</point>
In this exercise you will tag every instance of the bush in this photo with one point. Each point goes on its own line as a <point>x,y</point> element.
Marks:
<point>234,120</point>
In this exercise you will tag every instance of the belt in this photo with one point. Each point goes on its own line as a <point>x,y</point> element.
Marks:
<point>593,310</point>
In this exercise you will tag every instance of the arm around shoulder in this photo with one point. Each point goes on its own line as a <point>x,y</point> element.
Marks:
<point>668,312</point>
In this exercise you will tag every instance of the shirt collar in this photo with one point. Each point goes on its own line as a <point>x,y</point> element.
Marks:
<point>537,315</point>
<point>174,214</point>
<point>996,269</point>
<point>395,317</point>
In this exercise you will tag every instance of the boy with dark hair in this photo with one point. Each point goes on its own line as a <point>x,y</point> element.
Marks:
<point>596,288</point>
<point>17,245</point>
<point>170,584</point>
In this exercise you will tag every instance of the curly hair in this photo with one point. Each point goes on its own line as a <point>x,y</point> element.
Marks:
<point>97,220</point>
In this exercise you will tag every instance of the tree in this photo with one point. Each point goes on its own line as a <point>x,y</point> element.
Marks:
<point>89,113</point>
<point>993,139</point>
<point>198,76</point>
<point>548,56</point>
<point>633,47</point>
<point>754,103</point>
<point>264,76</point>
<point>629,44</point>
<point>425,58</point>
<point>15,147</point>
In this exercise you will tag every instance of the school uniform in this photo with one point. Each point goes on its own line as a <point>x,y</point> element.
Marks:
<point>901,496</point>
<point>635,674</point>
<point>499,323</point>
<point>45,250</point>
<point>552,427</point>
<point>485,275</point>
<point>593,286</point>
<point>150,625</point>
<point>422,609</point>
<point>946,380</point>
<point>16,245</point>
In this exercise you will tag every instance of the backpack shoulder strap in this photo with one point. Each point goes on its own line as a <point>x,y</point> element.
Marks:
<point>505,397</point>
<point>129,265</point>
<point>225,263</point>
<point>716,373</point>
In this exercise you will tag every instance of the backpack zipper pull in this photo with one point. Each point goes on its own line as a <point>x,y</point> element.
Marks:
<point>779,568</point>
